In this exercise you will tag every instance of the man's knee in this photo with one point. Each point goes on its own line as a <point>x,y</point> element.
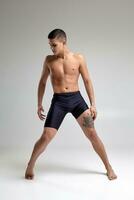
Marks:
<point>48,134</point>
<point>92,135</point>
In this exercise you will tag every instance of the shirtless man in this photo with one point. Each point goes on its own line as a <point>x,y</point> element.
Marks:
<point>64,68</point>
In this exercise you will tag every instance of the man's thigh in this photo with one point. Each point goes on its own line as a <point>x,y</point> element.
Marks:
<point>54,117</point>
<point>85,120</point>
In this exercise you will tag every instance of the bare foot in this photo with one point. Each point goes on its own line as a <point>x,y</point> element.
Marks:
<point>111,174</point>
<point>29,173</point>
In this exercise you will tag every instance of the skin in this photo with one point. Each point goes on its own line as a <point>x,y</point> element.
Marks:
<point>64,68</point>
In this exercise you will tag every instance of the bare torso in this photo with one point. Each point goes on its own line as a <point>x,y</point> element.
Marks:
<point>64,73</point>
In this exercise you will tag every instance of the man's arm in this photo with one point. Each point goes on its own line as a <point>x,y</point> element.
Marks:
<point>86,79</point>
<point>42,82</point>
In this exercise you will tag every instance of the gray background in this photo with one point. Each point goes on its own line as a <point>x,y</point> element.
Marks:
<point>101,30</point>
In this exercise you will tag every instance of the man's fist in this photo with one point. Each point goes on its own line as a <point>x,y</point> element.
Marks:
<point>93,112</point>
<point>39,112</point>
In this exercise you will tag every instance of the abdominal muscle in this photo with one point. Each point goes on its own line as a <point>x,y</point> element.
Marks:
<point>64,85</point>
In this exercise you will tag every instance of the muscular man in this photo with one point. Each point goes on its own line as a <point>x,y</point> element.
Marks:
<point>64,68</point>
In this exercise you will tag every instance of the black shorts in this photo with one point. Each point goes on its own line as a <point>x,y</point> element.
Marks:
<point>63,103</point>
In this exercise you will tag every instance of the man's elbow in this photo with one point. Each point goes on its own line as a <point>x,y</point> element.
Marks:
<point>87,81</point>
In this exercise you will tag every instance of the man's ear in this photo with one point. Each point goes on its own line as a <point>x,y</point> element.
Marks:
<point>64,41</point>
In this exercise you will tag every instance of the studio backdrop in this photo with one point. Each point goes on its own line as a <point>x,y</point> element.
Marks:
<point>102,31</point>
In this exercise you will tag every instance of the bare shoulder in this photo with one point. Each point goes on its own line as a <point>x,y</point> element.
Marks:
<point>81,59</point>
<point>48,58</point>
<point>79,56</point>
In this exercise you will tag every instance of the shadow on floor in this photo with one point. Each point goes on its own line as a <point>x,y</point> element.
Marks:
<point>65,169</point>
<point>14,169</point>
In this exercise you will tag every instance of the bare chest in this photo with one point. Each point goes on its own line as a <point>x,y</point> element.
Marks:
<point>61,68</point>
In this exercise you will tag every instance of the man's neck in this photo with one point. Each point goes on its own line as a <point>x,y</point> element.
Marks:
<point>64,54</point>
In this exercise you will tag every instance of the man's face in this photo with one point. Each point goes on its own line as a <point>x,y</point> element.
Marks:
<point>56,46</point>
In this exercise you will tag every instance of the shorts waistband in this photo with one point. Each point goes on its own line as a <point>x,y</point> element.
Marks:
<point>66,93</point>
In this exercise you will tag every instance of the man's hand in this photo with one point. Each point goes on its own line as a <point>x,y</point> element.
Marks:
<point>41,116</point>
<point>93,112</point>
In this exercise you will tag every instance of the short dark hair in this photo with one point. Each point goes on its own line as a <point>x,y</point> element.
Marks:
<point>57,33</point>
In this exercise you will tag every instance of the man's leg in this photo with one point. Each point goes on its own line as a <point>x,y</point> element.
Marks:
<point>39,147</point>
<point>87,124</point>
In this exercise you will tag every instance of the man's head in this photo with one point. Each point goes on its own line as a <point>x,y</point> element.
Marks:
<point>57,40</point>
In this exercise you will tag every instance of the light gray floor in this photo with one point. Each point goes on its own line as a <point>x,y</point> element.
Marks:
<point>66,174</point>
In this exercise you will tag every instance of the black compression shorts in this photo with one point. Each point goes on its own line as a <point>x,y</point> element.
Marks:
<point>61,104</point>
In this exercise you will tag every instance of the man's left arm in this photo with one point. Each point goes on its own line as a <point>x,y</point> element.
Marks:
<point>88,84</point>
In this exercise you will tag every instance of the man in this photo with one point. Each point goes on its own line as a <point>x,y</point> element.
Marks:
<point>64,68</point>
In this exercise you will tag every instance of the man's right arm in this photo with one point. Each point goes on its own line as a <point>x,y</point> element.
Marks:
<point>42,82</point>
